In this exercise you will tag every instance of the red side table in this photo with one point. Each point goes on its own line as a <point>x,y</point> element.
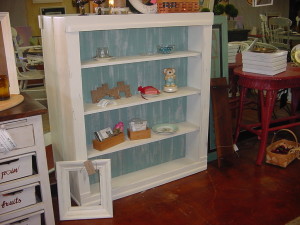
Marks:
<point>268,87</point>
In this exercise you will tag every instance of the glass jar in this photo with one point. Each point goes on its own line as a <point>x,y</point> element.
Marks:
<point>4,87</point>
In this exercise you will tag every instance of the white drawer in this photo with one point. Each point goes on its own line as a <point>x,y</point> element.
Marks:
<point>22,132</point>
<point>29,219</point>
<point>16,167</point>
<point>17,198</point>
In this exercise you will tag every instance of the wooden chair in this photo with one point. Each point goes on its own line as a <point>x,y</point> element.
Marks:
<point>264,28</point>
<point>279,28</point>
<point>31,81</point>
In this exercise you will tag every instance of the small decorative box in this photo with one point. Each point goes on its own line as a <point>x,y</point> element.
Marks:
<point>142,134</point>
<point>108,142</point>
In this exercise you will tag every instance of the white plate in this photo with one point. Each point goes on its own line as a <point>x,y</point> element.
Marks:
<point>103,59</point>
<point>165,128</point>
<point>295,54</point>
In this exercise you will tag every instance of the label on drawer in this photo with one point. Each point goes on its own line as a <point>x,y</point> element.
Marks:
<point>17,198</point>
<point>6,142</point>
<point>15,167</point>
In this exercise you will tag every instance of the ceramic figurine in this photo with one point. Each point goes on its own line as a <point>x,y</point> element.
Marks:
<point>170,78</point>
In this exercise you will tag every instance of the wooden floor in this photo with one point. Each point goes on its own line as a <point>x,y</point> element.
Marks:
<point>239,193</point>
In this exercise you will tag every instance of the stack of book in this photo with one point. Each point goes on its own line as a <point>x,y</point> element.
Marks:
<point>265,63</point>
<point>232,51</point>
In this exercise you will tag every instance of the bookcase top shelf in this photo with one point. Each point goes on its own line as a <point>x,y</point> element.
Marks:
<point>75,23</point>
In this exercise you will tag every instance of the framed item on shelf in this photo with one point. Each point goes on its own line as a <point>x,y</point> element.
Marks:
<point>71,208</point>
<point>46,1</point>
<point>53,10</point>
<point>258,3</point>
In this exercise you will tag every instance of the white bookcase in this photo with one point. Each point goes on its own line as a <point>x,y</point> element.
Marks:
<point>69,44</point>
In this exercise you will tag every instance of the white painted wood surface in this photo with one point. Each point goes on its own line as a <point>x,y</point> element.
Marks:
<point>68,110</point>
<point>41,177</point>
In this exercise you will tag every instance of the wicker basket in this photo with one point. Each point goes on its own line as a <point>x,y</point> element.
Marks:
<point>177,6</point>
<point>282,160</point>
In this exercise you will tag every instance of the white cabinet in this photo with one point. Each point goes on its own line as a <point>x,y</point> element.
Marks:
<point>69,44</point>
<point>24,181</point>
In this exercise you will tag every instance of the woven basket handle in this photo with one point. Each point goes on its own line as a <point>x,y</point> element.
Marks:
<point>287,130</point>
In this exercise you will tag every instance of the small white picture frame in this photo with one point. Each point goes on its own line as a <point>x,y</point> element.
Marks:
<point>259,3</point>
<point>66,210</point>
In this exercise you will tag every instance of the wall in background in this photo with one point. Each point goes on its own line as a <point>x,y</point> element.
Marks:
<point>33,10</point>
<point>251,14</point>
<point>16,10</point>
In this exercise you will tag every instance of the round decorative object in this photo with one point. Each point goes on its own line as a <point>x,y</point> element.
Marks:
<point>165,128</point>
<point>295,54</point>
<point>142,8</point>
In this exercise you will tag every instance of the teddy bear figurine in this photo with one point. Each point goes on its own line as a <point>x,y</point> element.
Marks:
<point>170,78</point>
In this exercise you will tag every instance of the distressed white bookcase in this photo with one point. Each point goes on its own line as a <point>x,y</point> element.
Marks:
<point>69,44</point>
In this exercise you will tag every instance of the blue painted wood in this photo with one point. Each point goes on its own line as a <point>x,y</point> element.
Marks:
<point>127,43</point>
<point>169,111</point>
<point>219,68</point>
<point>135,74</point>
<point>146,156</point>
<point>131,41</point>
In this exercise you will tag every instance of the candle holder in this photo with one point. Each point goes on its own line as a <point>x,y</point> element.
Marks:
<point>98,9</point>
<point>81,4</point>
<point>117,11</point>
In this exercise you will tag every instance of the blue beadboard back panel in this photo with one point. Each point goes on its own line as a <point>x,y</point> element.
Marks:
<point>135,74</point>
<point>136,42</point>
<point>145,156</point>
<point>131,41</point>
<point>168,111</point>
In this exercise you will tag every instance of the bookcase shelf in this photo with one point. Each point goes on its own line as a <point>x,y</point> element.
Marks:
<point>73,74</point>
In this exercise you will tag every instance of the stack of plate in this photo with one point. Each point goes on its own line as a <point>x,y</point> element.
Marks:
<point>267,63</point>
<point>295,54</point>
<point>232,51</point>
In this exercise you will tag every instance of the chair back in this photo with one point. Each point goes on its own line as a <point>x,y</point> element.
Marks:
<point>279,28</point>
<point>264,28</point>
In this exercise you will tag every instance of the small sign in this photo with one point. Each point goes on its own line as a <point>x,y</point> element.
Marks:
<point>89,167</point>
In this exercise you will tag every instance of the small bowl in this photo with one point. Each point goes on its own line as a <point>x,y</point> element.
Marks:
<point>165,49</point>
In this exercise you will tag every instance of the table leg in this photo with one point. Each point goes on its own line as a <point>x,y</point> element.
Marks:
<point>243,92</point>
<point>267,106</point>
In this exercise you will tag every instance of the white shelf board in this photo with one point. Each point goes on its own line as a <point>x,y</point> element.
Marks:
<point>141,180</point>
<point>154,176</point>
<point>183,128</point>
<point>134,100</point>
<point>137,58</point>
<point>20,182</point>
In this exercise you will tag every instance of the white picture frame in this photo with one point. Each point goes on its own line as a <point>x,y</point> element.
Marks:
<point>46,1</point>
<point>66,210</point>
<point>58,10</point>
<point>259,3</point>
